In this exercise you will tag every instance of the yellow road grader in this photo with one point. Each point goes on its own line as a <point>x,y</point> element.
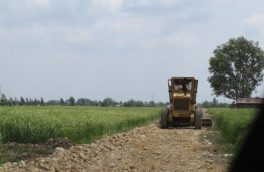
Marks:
<point>182,110</point>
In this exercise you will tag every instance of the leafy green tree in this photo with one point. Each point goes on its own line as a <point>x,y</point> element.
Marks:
<point>42,103</point>
<point>133,103</point>
<point>72,101</point>
<point>108,102</point>
<point>81,102</point>
<point>30,101</point>
<point>236,68</point>
<point>27,101</point>
<point>35,102</point>
<point>215,102</point>
<point>16,101</point>
<point>3,100</point>
<point>160,104</point>
<point>129,103</point>
<point>61,101</point>
<point>11,102</point>
<point>206,104</point>
<point>152,104</point>
<point>53,102</point>
<point>22,101</point>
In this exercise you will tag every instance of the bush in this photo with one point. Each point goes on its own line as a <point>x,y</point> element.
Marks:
<point>1,156</point>
<point>234,124</point>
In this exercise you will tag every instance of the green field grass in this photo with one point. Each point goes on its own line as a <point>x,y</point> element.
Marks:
<point>1,156</point>
<point>79,124</point>
<point>234,124</point>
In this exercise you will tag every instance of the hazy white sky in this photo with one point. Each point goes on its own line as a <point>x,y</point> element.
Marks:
<point>116,48</point>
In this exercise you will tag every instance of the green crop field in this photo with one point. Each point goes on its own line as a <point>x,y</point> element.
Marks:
<point>234,124</point>
<point>80,124</point>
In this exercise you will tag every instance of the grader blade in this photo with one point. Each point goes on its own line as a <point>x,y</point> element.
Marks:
<point>207,122</point>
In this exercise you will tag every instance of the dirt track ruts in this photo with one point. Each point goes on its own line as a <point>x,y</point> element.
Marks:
<point>146,148</point>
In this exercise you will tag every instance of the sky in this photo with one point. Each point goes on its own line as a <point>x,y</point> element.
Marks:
<point>121,49</point>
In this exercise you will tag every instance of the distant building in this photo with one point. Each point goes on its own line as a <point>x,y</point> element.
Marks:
<point>248,102</point>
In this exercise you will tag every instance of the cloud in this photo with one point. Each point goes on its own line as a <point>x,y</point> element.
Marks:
<point>37,3</point>
<point>181,40</point>
<point>254,26</point>
<point>154,2</point>
<point>129,25</point>
<point>15,12</point>
<point>42,33</point>
<point>256,20</point>
<point>18,5</point>
<point>78,35</point>
<point>223,3</point>
<point>106,5</point>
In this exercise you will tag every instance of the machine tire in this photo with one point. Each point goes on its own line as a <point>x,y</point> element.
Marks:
<point>198,119</point>
<point>164,118</point>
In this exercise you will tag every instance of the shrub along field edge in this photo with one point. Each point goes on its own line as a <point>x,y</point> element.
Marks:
<point>234,124</point>
<point>1,156</point>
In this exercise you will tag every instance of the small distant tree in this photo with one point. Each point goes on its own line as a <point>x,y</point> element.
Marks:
<point>11,102</point>
<point>61,101</point>
<point>27,101</point>
<point>160,104</point>
<point>81,102</point>
<point>35,103</point>
<point>96,103</point>
<point>30,101</point>
<point>129,103</point>
<point>108,102</point>
<point>16,102</point>
<point>208,104</point>
<point>3,100</point>
<point>22,101</point>
<point>134,103</point>
<point>215,102</point>
<point>53,102</point>
<point>72,101</point>
<point>42,103</point>
<point>152,104</point>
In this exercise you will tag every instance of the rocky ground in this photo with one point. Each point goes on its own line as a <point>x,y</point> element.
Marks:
<point>146,148</point>
<point>12,151</point>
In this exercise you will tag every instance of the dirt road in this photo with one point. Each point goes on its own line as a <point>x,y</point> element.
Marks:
<point>146,148</point>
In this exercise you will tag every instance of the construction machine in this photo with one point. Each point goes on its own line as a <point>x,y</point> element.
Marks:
<point>182,110</point>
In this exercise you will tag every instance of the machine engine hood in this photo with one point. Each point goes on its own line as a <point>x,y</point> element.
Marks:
<point>175,95</point>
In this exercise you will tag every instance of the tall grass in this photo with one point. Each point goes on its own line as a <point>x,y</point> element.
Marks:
<point>234,124</point>
<point>80,124</point>
<point>1,155</point>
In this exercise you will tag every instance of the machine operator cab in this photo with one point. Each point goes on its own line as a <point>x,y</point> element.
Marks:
<point>184,85</point>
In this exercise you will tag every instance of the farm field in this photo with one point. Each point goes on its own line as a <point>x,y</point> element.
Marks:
<point>146,148</point>
<point>29,124</point>
<point>139,149</point>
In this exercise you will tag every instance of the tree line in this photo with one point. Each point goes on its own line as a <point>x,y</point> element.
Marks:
<point>214,104</point>
<point>71,101</point>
